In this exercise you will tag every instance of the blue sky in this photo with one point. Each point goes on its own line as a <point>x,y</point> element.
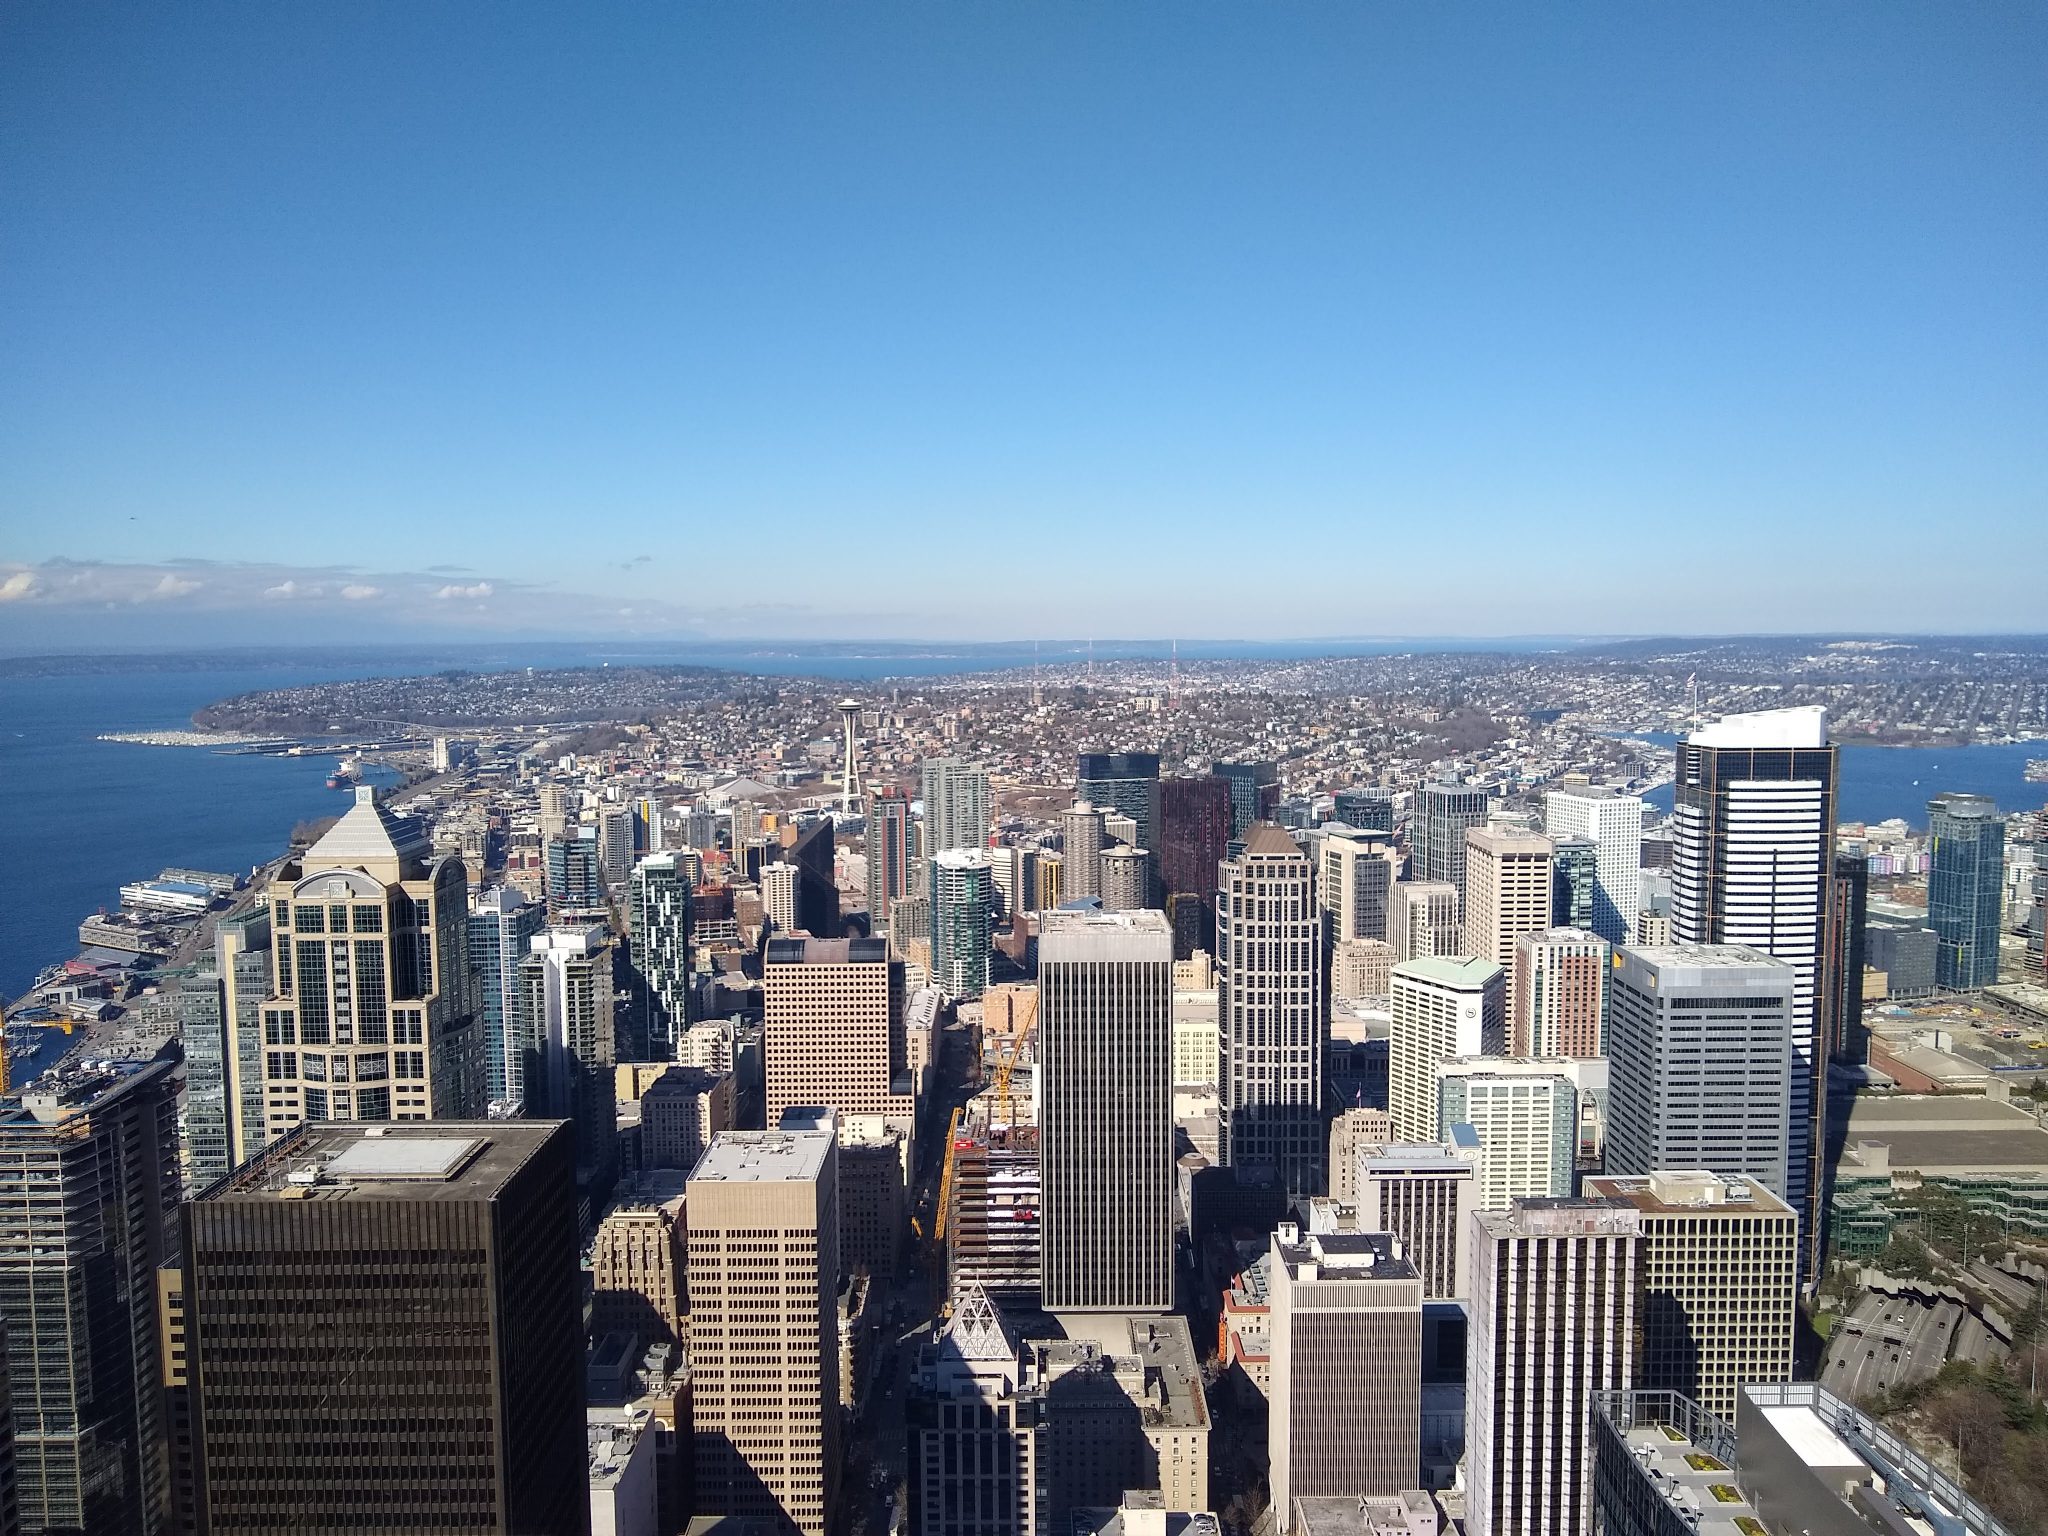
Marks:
<point>978,320</point>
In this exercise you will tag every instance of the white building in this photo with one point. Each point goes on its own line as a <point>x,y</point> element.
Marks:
<point>1442,1009</point>
<point>1614,823</point>
<point>1526,1114</point>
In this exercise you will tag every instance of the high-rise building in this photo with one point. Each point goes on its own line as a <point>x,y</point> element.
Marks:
<point>1425,1195</point>
<point>567,999</point>
<point>658,926</point>
<point>764,1328</point>
<point>1553,1322</point>
<point>1052,881</point>
<point>1752,858</point>
<point>1560,994</point>
<point>89,1167</point>
<point>1720,1283</point>
<point>963,899</point>
<point>1344,1408</point>
<point>1126,878</point>
<point>1355,883</point>
<point>372,1013</point>
<point>1271,1012</point>
<point>1126,782</point>
<point>1360,969</point>
<point>1422,920</point>
<point>1254,793</point>
<point>558,806</point>
<point>1613,823</point>
<point>814,896</point>
<point>1525,1112</point>
<point>1082,839</point>
<point>1575,863</point>
<point>832,1028</point>
<point>438,1386</point>
<point>1965,888</point>
<point>1442,1009</point>
<point>1699,1044</point>
<point>681,1111</point>
<point>1369,810</point>
<point>956,805</point>
<point>575,872</point>
<point>615,842</point>
<point>973,1432</point>
<point>1845,1036</point>
<point>502,923</point>
<point>1196,822</point>
<point>1105,1047</point>
<point>241,947</point>
<point>778,897</point>
<point>1351,1129</point>
<point>1013,873</point>
<point>888,839</point>
<point>194,998</point>
<point>1443,814</point>
<point>637,1269</point>
<point>1507,894</point>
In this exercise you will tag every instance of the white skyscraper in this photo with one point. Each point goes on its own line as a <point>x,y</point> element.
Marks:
<point>1526,1113</point>
<point>1614,823</point>
<point>956,805</point>
<point>1442,1009</point>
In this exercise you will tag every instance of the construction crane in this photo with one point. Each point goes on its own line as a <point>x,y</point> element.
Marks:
<point>1006,1064</point>
<point>946,1181</point>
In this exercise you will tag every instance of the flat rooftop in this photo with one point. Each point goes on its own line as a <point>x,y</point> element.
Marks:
<point>405,1160</point>
<point>1688,1192</point>
<point>763,1157</point>
<point>1450,971</point>
<point>1157,1348</point>
<point>1947,1133</point>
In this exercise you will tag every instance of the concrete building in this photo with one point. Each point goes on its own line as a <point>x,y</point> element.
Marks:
<point>888,853</point>
<point>1442,1009</point>
<point>956,805</point>
<point>1271,1012</point>
<point>1700,1060</point>
<point>1965,888</point>
<point>1422,923</point>
<point>778,896</point>
<point>963,906</point>
<point>1197,1037</point>
<point>1125,878</point>
<point>1105,1041</point>
<point>1425,1196</point>
<point>1411,1512</point>
<point>625,1494</point>
<point>764,1345</point>
<point>638,1268</point>
<point>1349,1131</point>
<point>658,926</point>
<point>1613,823</point>
<point>680,1111</point>
<point>1507,895</point>
<point>973,1429</point>
<point>1442,815</point>
<point>1344,1415</point>
<point>568,991</point>
<point>832,1028</point>
<point>1120,1405</point>
<point>615,843</point>
<point>1553,1324</point>
<point>1720,1283</point>
<point>455,1359</point>
<point>502,923</point>
<point>1559,994</point>
<point>1525,1111</point>
<point>1355,873</point>
<point>1361,969</point>
<point>1082,839</point>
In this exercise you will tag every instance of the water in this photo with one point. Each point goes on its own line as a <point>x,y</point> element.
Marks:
<point>1880,783</point>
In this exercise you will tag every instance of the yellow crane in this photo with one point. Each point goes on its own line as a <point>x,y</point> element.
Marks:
<point>1006,1063</point>
<point>946,1181</point>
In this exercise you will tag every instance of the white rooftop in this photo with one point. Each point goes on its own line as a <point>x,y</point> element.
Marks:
<point>1805,726</point>
<point>763,1157</point>
<point>366,834</point>
<point>372,1157</point>
<point>1810,1439</point>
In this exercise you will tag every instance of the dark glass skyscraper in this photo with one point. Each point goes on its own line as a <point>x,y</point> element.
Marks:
<point>1254,794</point>
<point>1846,1036</point>
<point>1195,838</point>
<point>1436,833</point>
<point>1574,879</point>
<point>1965,888</point>
<point>1127,782</point>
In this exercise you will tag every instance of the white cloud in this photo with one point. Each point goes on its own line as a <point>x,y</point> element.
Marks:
<point>282,589</point>
<point>17,586</point>
<point>174,586</point>
<point>357,592</point>
<point>480,589</point>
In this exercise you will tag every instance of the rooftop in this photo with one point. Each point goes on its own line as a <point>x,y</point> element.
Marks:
<point>1263,840</point>
<point>1342,1255</point>
<point>1805,726</point>
<point>1952,1134</point>
<point>1687,1193</point>
<point>1561,1217</point>
<point>425,1160</point>
<point>1467,971</point>
<point>61,1093</point>
<point>763,1157</point>
<point>367,833</point>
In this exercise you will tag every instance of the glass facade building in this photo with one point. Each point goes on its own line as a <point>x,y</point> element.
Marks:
<point>1965,888</point>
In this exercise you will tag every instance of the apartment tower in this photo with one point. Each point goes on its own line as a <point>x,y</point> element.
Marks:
<point>956,805</point>
<point>1082,837</point>
<point>1508,894</point>
<point>1443,814</point>
<point>1560,994</point>
<point>1965,889</point>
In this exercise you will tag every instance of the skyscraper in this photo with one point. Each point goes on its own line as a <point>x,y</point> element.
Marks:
<point>807,848</point>
<point>1553,1322</point>
<point>1271,1013</point>
<point>1105,1042</point>
<point>1845,1037</point>
<point>963,897</point>
<point>1425,1195</point>
<point>194,998</point>
<point>1613,823</point>
<point>1752,858</point>
<point>956,805</point>
<point>1699,1042</point>
<point>1576,880</point>
<point>658,925</point>
<point>1442,1009</point>
<point>778,897</point>
<point>1126,782</point>
<point>502,924</point>
<point>241,945</point>
<point>832,1028</point>
<point>1560,994</point>
<point>1369,810</point>
<point>1507,894</point>
<point>615,842</point>
<point>1254,793</point>
<point>1195,821</point>
<point>89,1163</point>
<point>575,872</point>
<point>1443,814</point>
<point>372,1014</point>
<point>764,1334</point>
<point>888,854</point>
<point>1526,1113</point>
<point>1355,883</point>
<point>1422,920</point>
<point>1965,888</point>
<point>1082,839</point>
<point>1126,878</point>
<point>567,985</point>
<point>436,1386</point>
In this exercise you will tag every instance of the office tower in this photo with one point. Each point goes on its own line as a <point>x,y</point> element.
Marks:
<point>567,986</point>
<point>194,998</point>
<point>832,1027</point>
<point>1126,878</point>
<point>1425,1195</point>
<point>1105,1042</point>
<point>575,872</point>
<point>1719,1286</point>
<point>1052,882</point>
<point>89,1160</point>
<point>956,805</point>
<point>1846,1037</point>
<point>1752,856</point>
<point>1422,921</point>
<point>888,838</point>
<point>1350,1130</point>
<point>1613,823</point>
<point>1526,1114</point>
<point>1082,840</point>
<point>1965,888</point>
<point>1369,810</point>
<point>436,1386</point>
<point>1196,825</point>
<point>1013,877</point>
<point>1126,782</point>
<point>1443,814</point>
<point>814,896</point>
<point>647,829</point>
<point>502,923</point>
<point>1575,864</point>
<point>1560,994</point>
<point>849,757</point>
<point>615,843</point>
<point>1355,884</point>
<point>874,1214</point>
<point>1442,1009</point>
<point>637,1269</point>
<point>372,1013</point>
<point>764,1328</point>
<point>1699,1049</point>
<point>1553,1322</point>
<point>973,1432</point>
<point>963,896</point>
<point>778,896</point>
<point>1254,793</point>
<point>241,948</point>
<point>1270,1011</point>
<point>557,810</point>
<point>1507,894</point>
<point>658,924</point>
<point>1344,1411</point>
<point>681,1111</point>
<point>1360,969</point>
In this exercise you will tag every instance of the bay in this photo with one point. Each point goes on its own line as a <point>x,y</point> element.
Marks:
<point>1883,783</point>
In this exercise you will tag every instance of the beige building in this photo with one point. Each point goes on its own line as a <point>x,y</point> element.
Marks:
<point>1196,1037</point>
<point>1507,894</point>
<point>1125,881</point>
<point>832,1029</point>
<point>763,1327</point>
<point>1354,883</point>
<point>680,1112</point>
<point>1719,1286</point>
<point>1422,920</point>
<point>1082,839</point>
<point>1442,1009</point>
<point>1360,969</point>
<point>1351,1130</point>
<point>1120,1405</point>
<point>637,1269</point>
<point>1558,994</point>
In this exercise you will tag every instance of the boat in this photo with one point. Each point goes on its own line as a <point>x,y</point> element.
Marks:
<point>346,772</point>
<point>2037,770</point>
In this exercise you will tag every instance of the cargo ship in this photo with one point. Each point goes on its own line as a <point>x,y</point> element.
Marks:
<point>346,772</point>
